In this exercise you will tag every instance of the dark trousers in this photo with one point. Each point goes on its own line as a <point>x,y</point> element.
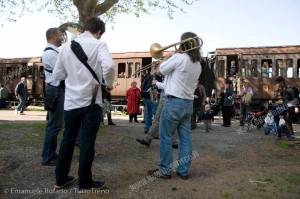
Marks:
<point>283,130</point>
<point>227,114</point>
<point>244,111</point>
<point>54,126</point>
<point>133,116</point>
<point>109,120</point>
<point>85,123</point>
<point>194,116</point>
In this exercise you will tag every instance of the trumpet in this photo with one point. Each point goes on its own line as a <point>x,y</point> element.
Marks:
<point>156,50</point>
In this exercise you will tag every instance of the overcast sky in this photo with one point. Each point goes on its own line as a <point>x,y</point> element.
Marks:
<point>220,23</point>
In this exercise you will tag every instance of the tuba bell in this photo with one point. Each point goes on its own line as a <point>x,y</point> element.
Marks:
<point>70,30</point>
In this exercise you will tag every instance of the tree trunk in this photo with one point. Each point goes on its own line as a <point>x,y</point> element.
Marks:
<point>91,8</point>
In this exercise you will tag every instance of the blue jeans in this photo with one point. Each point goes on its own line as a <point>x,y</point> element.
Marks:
<point>151,109</point>
<point>176,115</point>
<point>22,103</point>
<point>83,122</point>
<point>270,128</point>
<point>54,126</point>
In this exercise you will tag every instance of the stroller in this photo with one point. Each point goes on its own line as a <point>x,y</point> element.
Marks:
<point>255,119</point>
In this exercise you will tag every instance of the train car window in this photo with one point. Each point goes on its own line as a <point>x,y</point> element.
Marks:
<point>279,67</point>
<point>266,68</point>
<point>289,68</point>
<point>121,70</point>
<point>298,68</point>
<point>253,68</point>
<point>130,69</point>
<point>221,68</point>
<point>245,68</point>
<point>41,72</point>
<point>137,67</point>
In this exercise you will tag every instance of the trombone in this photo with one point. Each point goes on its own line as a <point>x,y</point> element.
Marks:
<point>156,50</point>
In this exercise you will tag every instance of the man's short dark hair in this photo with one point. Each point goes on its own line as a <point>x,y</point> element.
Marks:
<point>2,85</point>
<point>94,25</point>
<point>51,32</point>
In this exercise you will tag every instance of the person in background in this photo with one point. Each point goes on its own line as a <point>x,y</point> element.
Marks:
<point>270,125</point>
<point>246,98</point>
<point>21,94</point>
<point>54,89</point>
<point>232,69</point>
<point>108,108</point>
<point>83,100</point>
<point>227,100</point>
<point>283,129</point>
<point>150,105</point>
<point>3,96</point>
<point>133,96</point>
<point>208,118</point>
<point>198,104</point>
<point>152,134</point>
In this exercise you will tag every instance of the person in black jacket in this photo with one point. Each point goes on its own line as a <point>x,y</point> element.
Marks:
<point>21,94</point>
<point>150,104</point>
<point>227,100</point>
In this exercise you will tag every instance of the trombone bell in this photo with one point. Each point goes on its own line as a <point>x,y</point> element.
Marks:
<point>156,51</point>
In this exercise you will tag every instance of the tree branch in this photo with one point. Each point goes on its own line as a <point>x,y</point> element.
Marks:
<point>105,6</point>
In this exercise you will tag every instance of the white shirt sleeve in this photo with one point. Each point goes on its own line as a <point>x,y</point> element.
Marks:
<point>170,64</point>
<point>161,85</point>
<point>107,63</point>
<point>59,72</point>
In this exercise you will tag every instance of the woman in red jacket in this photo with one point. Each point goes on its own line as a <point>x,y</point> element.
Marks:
<point>133,96</point>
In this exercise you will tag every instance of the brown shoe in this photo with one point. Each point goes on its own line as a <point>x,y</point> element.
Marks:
<point>182,177</point>
<point>156,173</point>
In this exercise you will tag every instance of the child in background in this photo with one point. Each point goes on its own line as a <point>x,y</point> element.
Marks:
<point>283,129</point>
<point>270,125</point>
<point>207,117</point>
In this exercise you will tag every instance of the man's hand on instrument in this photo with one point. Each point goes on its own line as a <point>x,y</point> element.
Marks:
<point>154,82</point>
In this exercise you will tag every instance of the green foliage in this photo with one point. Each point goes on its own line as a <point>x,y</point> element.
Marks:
<point>72,10</point>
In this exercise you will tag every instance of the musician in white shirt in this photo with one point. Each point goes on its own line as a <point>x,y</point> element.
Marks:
<point>181,71</point>
<point>82,117</point>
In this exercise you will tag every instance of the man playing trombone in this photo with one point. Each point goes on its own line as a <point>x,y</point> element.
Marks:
<point>181,71</point>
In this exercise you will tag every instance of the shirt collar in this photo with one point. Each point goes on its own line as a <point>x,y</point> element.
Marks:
<point>52,46</point>
<point>86,34</point>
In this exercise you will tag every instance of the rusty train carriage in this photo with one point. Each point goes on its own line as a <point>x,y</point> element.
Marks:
<point>126,66</point>
<point>11,70</point>
<point>261,65</point>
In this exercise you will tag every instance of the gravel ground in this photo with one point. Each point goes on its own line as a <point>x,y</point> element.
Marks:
<point>230,163</point>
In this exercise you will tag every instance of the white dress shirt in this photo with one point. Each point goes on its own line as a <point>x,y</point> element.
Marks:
<point>49,59</point>
<point>181,76</point>
<point>78,79</point>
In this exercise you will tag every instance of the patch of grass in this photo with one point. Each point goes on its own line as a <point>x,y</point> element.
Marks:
<point>284,145</point>
<point>293,178</point>
<point>226,195</point>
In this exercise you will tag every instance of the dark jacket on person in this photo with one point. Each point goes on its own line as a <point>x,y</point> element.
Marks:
<point>290,93</point>
<point>147,84</point>
<point>21,90</point>
<point>227,97</point>
<point>201,93</point>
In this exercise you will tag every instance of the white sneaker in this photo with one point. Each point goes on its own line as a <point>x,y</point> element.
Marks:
<point>17,112</point>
